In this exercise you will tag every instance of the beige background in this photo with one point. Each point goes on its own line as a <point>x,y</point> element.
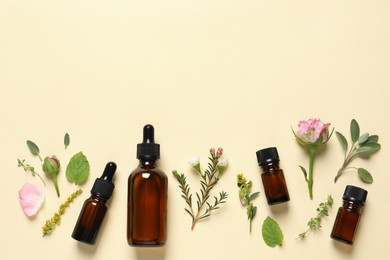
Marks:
<point>236,74</point>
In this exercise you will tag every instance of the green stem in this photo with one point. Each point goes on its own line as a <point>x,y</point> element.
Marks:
<point>54,177</point>
<point>313,148</point>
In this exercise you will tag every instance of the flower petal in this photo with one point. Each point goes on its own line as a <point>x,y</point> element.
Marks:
<point>31,198</point>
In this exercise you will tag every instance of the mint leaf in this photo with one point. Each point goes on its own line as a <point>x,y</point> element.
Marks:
<point>272,234</point>
<point>77,170</point>
<point>66,140</point>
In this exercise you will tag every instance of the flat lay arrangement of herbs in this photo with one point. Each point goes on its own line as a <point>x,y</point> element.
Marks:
<point>322,211</point>
<point>32,197</point>
<point>246,198</point>
<point>209,179</point>
<point>362,146</point>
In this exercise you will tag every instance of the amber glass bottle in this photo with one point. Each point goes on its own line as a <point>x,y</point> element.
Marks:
<point>147,196</point>
<point>275,187</point>
<point>348,215</point>
<point>95,208</point>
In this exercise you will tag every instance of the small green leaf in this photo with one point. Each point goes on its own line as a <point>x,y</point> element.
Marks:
<point>66,140</point>
<point>355,130</point>
<point>304,172</point>
<point>78,167</point>
<point>372,139</point>
<point>367,149</point>
<point>254,195</point>
<point>362,139</point>
<point>272,234</point>
<point>343,141</point>
<point>33,148</point>
<point>365,176</point>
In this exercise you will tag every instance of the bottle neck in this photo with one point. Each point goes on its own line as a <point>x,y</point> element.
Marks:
<point>353,206</point>
<point>270,166</point>
<point>96,197</point>
<point>147,163</point>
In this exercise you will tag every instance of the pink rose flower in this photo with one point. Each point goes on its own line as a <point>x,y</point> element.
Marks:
<point>31,198</point>
<point>312,131</point>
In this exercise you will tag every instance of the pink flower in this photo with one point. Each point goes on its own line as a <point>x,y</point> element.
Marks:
<point>31,198</point>
<point>312,131</point>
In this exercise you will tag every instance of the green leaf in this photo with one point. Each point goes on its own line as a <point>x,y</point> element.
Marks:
<point>372,139</point>
<point>33,148</point>
<point>367,149</point>
<point>254,195</point>
<point>362,139</point>
<point>304,172</point>
<point>272,234</point>
<point>355,130</point>
<point>66,140</point>
<point>365,176</point>
<point>77,170</point>
<point>343,141</point>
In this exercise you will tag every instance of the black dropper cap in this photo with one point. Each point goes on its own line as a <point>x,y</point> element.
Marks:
<point>267,155</point>
<point>103,186</point>
<point>148,149</point>
<point>354,193</point>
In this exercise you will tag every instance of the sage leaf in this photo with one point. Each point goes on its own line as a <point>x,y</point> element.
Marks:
<point>365,176</point>
<point>34,149</point>
<point>372,139</point>
<point>362,139</point>
<point>367,149</point>
<point>66,140</point>
<point>272,234</point>
<point>343,141</point>
<point>254,195</point>
<point>78,168</point>
<point>304,172</point>
<point>355,130</point>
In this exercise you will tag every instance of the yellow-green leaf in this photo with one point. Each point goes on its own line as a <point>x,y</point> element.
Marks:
<point>78,167</point>
<point>272,234</point>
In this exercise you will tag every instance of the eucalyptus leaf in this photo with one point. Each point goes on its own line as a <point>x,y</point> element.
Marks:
<point>343,141</point>
<point>355,130</point>
<point>272,234</point>
<point>78,168</point>
<point>66,140</point>
<point>372,139</point>
<point>365,175</point>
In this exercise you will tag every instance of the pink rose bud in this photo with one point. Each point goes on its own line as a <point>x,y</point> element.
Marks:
<point>313,131</point>
<point>51,166</point>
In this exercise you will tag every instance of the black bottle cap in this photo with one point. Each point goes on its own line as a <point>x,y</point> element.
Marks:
<point>103,186</point>
<point>148,149</point>
<point>267,155</point>
<point>353,193</point>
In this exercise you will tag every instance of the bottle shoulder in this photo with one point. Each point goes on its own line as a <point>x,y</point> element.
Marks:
<point>147,170</point>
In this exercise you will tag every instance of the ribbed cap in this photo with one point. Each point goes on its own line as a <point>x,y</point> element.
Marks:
<point>267,155</point>
<point>353,193</point>
<point>103,186</point>
<point>148,149</point>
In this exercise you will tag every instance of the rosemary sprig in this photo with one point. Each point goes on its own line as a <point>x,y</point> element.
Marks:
<point>315,223</point>
<point>50,224</point>
<point>209,179</point>
<point>28,168</point>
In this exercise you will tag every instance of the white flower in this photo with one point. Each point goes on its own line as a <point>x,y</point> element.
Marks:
<point>223,162</point>
<point>194,161</point>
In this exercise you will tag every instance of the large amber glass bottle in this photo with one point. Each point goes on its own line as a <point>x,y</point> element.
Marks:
<point>147,196</point>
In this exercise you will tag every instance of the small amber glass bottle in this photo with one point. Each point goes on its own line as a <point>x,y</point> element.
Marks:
<point>275,187</point>
<point>147,196</point>
<point>348,215</point>
<point>95,208</point>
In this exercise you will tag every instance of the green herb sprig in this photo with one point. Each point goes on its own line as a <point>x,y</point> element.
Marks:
<point>322,211</point>
<point>50,224</point>
<point>246,198</point>
<point>209,179</point>
<point>28,168</point>
<point>362,146</point>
